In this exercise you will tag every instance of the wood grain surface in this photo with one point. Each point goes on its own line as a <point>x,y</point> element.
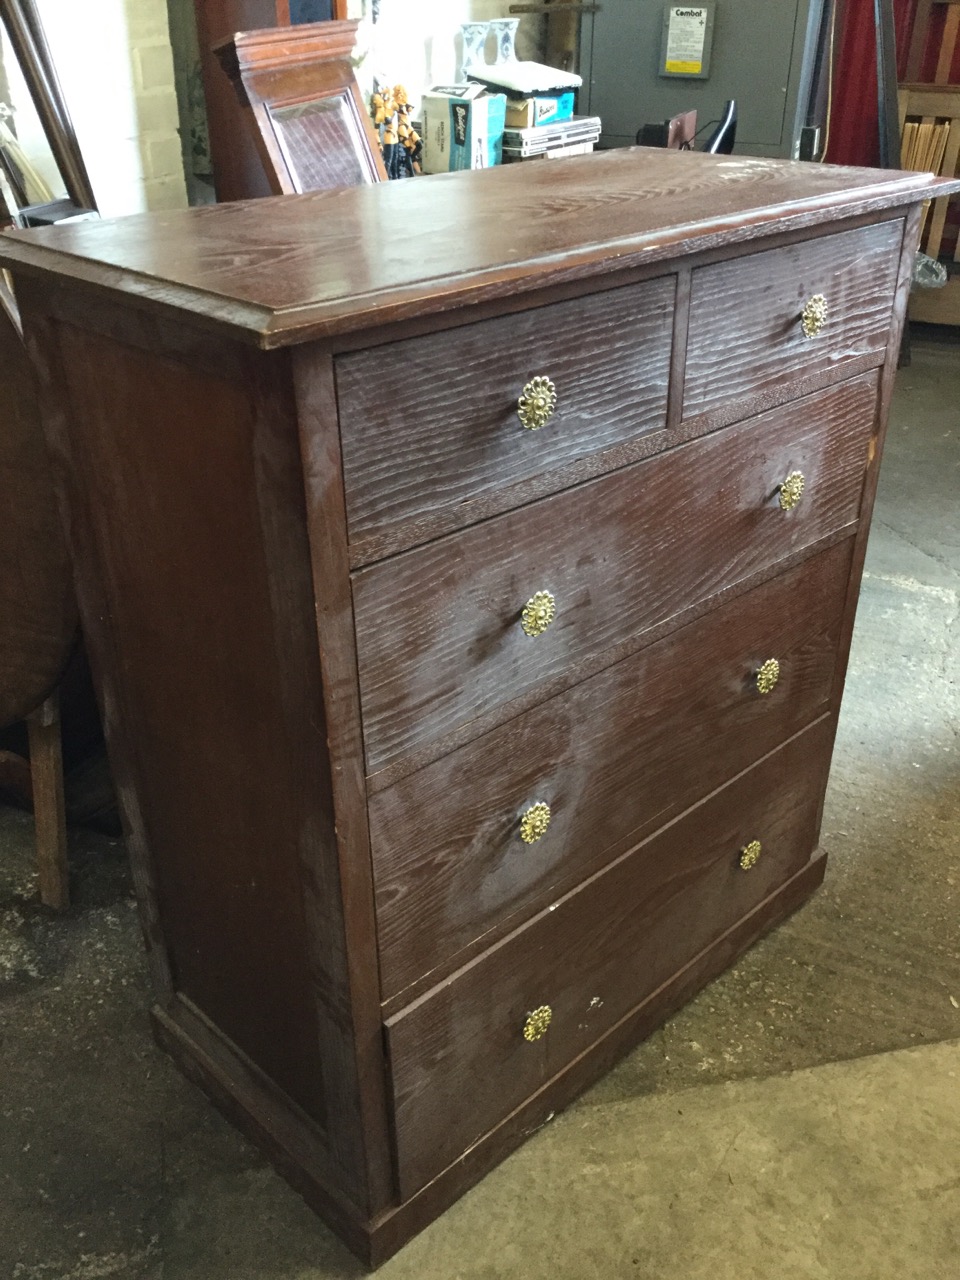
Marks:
<point>429,427</point>
<point>276,698</point>
<point>338,885</point>
<point>395,1228</point>
<point>285,270</point>
<point>438,629</point>
<point>38,606</point>
<point>593,956</point>
<point>745,333</point>
<point>193,486</point>
<point>614,758</point>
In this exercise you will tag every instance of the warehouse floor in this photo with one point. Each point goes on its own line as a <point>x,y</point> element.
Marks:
<point>799,1120</point>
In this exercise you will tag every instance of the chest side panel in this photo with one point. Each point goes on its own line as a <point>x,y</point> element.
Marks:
<point>199,609</point>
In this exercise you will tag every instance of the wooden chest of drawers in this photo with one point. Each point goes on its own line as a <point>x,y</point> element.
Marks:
<point>470,612</point>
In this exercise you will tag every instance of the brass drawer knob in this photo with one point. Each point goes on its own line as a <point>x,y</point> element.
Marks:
<point>537,1023</point>
<point>814,315</point>
<point>749,855</point>
<point>791,490</point>
<point>534,822</point>
<point>768,675</point>
<point>537,403</point>
<point>539,611</point>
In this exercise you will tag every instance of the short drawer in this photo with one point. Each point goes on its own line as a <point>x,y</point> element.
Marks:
<point>430,429</point>
<point>505,822</point>
<point>748,332</point>
<point>594,956</point>
<point>443,632</point>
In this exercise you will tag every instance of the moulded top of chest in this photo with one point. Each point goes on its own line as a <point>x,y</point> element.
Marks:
<point>282,270</point>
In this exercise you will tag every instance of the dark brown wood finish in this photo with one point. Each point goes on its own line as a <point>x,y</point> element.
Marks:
<point>236,665</point>
<point>395,1229</point>
<point>238,171</point>
<point>433,657</point>
<point>615,758</point>
<point>430,428</point>
<point>248,1097</point>
<point>76,489</point>
<point>593,956</point>
<point>304,107</point>
<point>343,878</point>
<point>237,168</point>
<point>285,271</point>
<point>206,490</point>
<point>249,1100</point>
<point>49,813</point>
<point>208,686</point>
<point>38,607</point>
<point>678,355</point>
<point>734,353</point>
<point>904,287</point>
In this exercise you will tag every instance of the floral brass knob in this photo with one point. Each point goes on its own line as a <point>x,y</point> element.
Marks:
<point>537,1023</point>
<point>814,315</point>
<point>749,855</point>
<point>539,611</point>
<point>768,675</point>
<point>791,490</point>
<point>534,822</point>
<point>537,403</point>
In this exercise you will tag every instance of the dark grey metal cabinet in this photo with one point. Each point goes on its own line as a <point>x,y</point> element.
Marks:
<point>762,55</point>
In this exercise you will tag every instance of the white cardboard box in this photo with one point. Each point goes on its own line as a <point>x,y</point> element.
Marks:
<point>462,128</point>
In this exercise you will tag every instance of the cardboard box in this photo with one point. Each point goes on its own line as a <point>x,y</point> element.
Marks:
<point>540,108</point>
<point>462,128</point>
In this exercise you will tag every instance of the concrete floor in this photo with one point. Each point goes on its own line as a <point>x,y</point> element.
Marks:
<point>799,1119</point>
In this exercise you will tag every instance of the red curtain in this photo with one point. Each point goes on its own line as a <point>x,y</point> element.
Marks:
<point>854,131</point>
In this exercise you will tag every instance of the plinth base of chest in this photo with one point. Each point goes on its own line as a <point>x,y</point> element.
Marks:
<point>295,1146</point>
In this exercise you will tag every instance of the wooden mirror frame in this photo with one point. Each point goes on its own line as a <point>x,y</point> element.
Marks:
<point>287,74</point>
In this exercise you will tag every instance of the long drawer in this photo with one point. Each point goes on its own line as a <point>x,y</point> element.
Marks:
<point>496,827</point>
<point>430,430</point>
<point>444,632</point>
<point>757,323</point>
<point>506,1024</point>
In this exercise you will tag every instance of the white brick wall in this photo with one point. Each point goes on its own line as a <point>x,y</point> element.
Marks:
<point>114,62</point>
<point>116,67</point>
<point>417,42</point>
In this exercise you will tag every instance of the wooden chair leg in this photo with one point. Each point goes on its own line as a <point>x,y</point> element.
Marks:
<point>49,815</point>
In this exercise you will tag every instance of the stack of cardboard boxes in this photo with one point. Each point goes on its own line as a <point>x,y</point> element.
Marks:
<point>544,125</point>
<point>472,126</point>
